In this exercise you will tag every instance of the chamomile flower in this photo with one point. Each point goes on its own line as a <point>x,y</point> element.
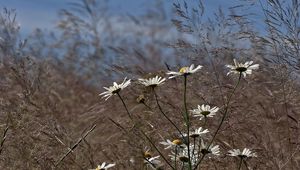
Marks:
<point>147,153</point>
<point>215,150</point>
<point>149,160</point>
<point>184,71</point>
<point>240,68</point>
<point>104,166</point>
<point>246,153</point>
<point>152,82</point>
<point>174,143</point>
<point>183,156</point>
<point>198,132</point>
<point>204,111</point>
<point>141,99</point>
<point>152,162</point>
<point>112,90</point>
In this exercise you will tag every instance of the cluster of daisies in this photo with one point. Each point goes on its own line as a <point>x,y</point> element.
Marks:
<point>198,148</point>
<point>181,150</point>
<point>237,68</point>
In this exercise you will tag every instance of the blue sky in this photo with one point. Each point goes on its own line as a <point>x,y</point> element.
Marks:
<point>43,13</point>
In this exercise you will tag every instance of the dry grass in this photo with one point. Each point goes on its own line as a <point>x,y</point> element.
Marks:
<point>49,88</point>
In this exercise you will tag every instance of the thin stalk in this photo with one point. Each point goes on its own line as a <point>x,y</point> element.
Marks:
<point>187,122</point>
<point>199,147</point>
<point>205,121</point>
<point>149,163</point>
<point>215,71</point>
<point>124,106</point>
<point>223,118</point>
<point>182,167</point>
<point>194,147</point>
<point>246,165</point>
<point>202,157</point>
<point>226,111</point>
<point>151,142</point>
<point>175,161</point>
<point>146,105</point>
<point>240,164</point>
<point>122,128</point>
<point>164,114</point>
<point>144,134</point>
<point>75,145</point>
<point>3,139</point>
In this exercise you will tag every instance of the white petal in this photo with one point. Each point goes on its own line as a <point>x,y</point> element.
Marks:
<point>110,165</point>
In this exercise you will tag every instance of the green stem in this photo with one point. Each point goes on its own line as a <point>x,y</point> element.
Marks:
<point>226,111</point>
<point>194,147</point>
<point>146,159</point>
<point>3,138</point>
<point>205,121</point>
<point>124,106</point>
<point>151,142</point>
<point>164,114</point>
<point>187,119</point>
<point>199,148</point>
<point>182,167</point>
<point>240,164</point>
<point>246,165</point>
<point>223,118</point>
<point>202,157</point>
<point>175,161</point>
<point>164,158</point>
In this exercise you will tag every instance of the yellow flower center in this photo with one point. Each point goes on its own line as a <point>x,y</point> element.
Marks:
<point>183,70</point>
<point>177,142</point>
<point>147,154</point>
<point>141,99</point>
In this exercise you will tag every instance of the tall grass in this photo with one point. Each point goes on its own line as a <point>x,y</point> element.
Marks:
<point>50,83</point>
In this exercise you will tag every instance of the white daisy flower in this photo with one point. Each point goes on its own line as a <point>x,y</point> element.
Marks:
<point>240,68</point>
<point>215,150</point>
<point>246,153</point>
<point>182,155</point>
<point>172,144</point>
<point>204,111</point>
<point>149,160</point>
<point>198,132</point>
<point>112,90</point>
<point>152,82</point>
<point>153,162</point>
<point>104,166</point>
<point>184,71</point>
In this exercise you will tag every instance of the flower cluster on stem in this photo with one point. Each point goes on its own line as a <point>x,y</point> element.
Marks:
<point>191,147</point>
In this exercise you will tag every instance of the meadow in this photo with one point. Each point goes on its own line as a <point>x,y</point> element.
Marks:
<point>176,89</point>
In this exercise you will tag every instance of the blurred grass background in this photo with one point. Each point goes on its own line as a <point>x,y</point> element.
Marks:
<point>51,78</point>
